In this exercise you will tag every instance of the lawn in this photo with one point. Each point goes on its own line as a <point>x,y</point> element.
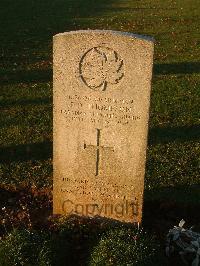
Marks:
<point>172,181</point>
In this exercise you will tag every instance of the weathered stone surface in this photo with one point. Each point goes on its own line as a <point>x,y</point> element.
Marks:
<point>102,82</point>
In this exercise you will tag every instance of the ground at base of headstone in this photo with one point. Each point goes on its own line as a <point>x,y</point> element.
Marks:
<point>26,221</point>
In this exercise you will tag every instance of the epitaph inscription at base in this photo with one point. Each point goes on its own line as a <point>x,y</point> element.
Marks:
<point>102,82</point>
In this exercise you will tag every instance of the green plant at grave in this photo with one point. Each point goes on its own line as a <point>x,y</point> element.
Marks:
<point>125,246</point>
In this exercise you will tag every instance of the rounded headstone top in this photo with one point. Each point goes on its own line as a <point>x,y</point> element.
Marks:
<point>119,33</point>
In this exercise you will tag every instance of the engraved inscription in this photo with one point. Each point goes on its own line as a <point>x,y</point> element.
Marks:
<point>101,66</point>
<point>100,110</point>
<point>106,189</point>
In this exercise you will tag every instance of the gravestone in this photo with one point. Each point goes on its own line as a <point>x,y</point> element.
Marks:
<point>102,82</point>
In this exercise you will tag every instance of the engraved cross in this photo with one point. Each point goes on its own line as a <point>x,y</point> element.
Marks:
<point>97,147</point>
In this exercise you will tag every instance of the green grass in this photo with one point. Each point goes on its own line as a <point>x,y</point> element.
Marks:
<point>118,246</point>
<point>126,246</point>
<point>26,34</point>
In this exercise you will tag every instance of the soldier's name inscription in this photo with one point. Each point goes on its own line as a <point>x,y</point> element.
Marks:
<point>96,109</point>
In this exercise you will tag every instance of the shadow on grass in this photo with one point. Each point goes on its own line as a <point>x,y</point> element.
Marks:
<point>26,152</point>
<point>24,102</point>
<point>178,134</point>
<point>177,68</point>
<point>26,76</point>
<point>164,208</point>
<point>39,20</point>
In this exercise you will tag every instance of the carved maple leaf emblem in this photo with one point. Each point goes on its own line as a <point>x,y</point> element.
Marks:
<point>101,66</point>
